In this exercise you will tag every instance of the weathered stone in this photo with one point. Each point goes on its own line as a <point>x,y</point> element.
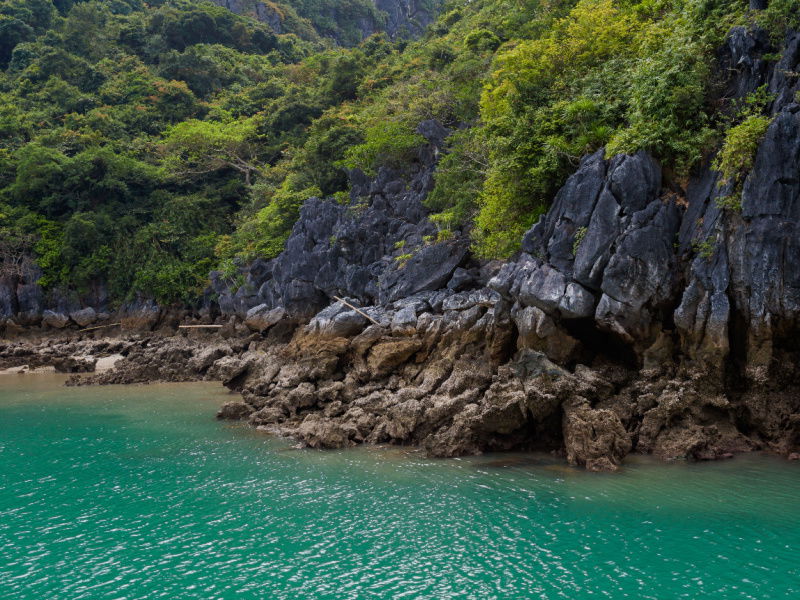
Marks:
<point>235,411</point>
<point>74,364</point>
<point>84,317</point>
<point>260,318</point>
<point>54,319</point>
<point>594,438</point>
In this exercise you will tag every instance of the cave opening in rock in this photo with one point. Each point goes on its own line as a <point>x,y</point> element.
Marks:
<point>735,380</point>
<point>544,435</point>
<point>597,342</point>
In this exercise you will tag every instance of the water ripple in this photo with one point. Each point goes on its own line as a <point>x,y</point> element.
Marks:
<point>136,494</point>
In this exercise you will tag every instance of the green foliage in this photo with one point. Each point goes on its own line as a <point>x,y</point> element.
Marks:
<point>459,178</point>
<point>389,144</point>
<point>780,17</point>
<point>118,156</point>
<point>739,149</point>
<point>402,259</point>
<point>196,148</point>
<point>143,144</point>
<point>666,114</point>
<point>444,235</point>
<point>580,233</point>
<point>704,249</point>
<point>264,231</point>
<point>482,40</point>
<point>731,203</point>
<point>627,76</point>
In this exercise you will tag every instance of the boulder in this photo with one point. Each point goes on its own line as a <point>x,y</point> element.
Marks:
<point>142,314</point>
<point>317,431</point>
<point>84,317</point>
<point>260,318</point>
<point>594,438</point>
<point>30,300</point>
<point>75,364</point>
<point>54,319</point>
<point>234,411</point>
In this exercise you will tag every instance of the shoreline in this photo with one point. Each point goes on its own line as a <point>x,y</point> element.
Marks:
<point>451,390</point>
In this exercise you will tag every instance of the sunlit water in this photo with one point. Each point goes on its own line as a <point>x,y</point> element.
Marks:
<point>137,492</point>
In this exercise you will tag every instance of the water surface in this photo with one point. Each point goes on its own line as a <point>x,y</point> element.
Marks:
<point>138,493</point>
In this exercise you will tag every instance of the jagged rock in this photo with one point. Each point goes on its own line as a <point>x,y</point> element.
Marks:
<point>140,315</point>
<point>385,356</point>
<point>429,269</point>
<point>8,297</point>
<point>462,279</point>
<point>338,320</point>
<point>229,370</point>
<point>30,303</point>
<point>203,360</point>
<point>349,250</point>
<point>235,411</point>
<point>74,364</point>
<point>318,432</point>
<point>404,320</point>
<point>260,318</point>
<point>594,438</point>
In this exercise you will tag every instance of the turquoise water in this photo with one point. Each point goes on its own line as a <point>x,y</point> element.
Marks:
<point>137,492</point>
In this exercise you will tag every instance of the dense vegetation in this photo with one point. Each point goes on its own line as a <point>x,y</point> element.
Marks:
<point>144,144</point>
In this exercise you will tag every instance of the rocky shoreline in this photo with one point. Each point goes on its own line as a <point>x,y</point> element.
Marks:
<point>643,314</point>
<point>452,372</point>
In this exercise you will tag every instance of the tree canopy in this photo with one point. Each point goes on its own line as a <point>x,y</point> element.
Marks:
<point>144,144</point>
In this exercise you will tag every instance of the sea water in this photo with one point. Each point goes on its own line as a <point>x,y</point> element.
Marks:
<point>137,492</point>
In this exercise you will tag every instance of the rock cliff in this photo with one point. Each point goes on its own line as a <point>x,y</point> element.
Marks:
<point>643,314</point>
<point>640,314</point>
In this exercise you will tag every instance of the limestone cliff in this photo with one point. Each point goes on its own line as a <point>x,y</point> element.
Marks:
<point>641,315</point>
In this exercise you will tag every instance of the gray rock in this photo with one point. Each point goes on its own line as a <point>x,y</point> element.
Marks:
<point>84,317</point>
<point>405,320</point>
<point>8,297</point>
<point>260,318</point>
<point>30,303</point>
<point>54,319</point>
<point>235,411</point>
<point>461,279</point>
<point>349,250</point>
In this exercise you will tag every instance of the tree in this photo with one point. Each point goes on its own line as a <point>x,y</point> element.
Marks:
<point>12,32</point>
<point>15,252</point>
<point>196,148</point>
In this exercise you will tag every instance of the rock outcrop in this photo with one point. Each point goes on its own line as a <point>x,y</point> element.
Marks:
<point>641,315</point>
<point>377,248</point>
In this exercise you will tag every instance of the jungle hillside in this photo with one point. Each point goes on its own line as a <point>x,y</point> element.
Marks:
<point>145,144</point>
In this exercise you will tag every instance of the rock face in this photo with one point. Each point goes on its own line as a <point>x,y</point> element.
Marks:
<point>376,248</point>
<point>148,358</point>
<point>639,316</point>
<point>407,18</point>
<point>265,12</point>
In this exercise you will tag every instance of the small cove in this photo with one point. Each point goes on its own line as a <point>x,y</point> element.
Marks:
<point>137,492</point>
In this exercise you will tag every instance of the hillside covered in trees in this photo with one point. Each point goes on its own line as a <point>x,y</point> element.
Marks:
<point>144,145</point>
